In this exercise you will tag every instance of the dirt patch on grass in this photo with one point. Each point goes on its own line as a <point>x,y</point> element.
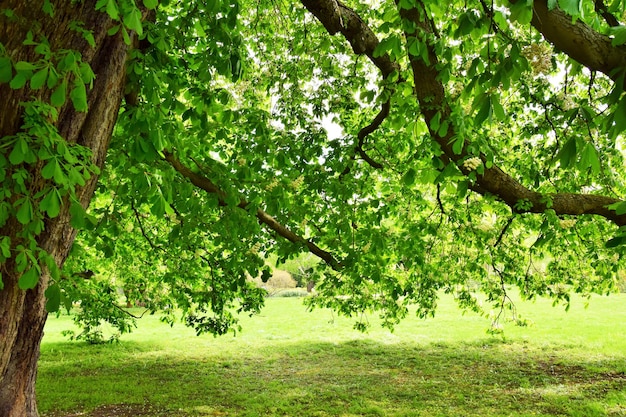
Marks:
<point>119,410</point>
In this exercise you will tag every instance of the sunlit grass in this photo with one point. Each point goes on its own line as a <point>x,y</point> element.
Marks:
<point>289,362</point>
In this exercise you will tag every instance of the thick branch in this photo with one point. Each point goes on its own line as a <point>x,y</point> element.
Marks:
<point>431,95</point>
<point>207,185</point>
<point>337,17</point>
<point>578,40</point>
<point>510,191</point>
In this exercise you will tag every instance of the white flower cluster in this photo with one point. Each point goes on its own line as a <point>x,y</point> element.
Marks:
<point>568,103</point>
<point>540,57</point>
<point>273,184</point>
<point>472,163</point>
<point>297,183</point>
<point>567,223</point>
<point>254,250</point>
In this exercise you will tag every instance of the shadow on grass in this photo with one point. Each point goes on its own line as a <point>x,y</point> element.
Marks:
<point>356,378</point>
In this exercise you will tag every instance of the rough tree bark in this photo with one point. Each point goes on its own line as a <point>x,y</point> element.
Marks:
<point>578,40</point>
<point>22,313</point>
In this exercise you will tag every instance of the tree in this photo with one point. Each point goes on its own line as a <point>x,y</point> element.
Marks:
<point>480,146</point>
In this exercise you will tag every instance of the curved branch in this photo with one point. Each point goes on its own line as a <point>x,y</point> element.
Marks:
<point>143,231</point>
<point>603,11</point>
<point>264,218</point>
<point>378,120</point>
<point>431,96</point>
<point>336,17</point>
<point>578,40</point>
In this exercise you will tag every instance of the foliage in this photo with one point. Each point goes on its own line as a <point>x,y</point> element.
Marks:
<point>429,147</point>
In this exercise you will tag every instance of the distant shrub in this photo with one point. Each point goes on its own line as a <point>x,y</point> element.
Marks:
<point>301,268</point>
<point>279,280</point>
<point>290,293</point>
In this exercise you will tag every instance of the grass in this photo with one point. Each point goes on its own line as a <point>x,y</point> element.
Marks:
<point>288,362</point>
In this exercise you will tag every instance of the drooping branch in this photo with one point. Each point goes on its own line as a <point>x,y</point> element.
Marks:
<point>431,96</point>
<point>338,18</point>
<point>378,120</point>
<point>264,218</point>
<point>603,11</point>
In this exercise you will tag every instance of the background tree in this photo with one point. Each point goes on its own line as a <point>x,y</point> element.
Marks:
<point>471,152</point>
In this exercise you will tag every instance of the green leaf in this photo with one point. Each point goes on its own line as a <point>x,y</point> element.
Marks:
<point>51,203</point>
<point>18,81</point>
<point>414,46</point>
<point>522,11</point>
<point>551,4</point>
<point>484,112</point>
<point>29,279</point>
<point>58,96</point>
<point>443,129</point>
<point>78,215</point>
<point>25,212</point>
<point>409,177</point>
<point>78,95</point>
<point>53,294</point>
<point>618,117</point>
<point>435,122</point>
<point>620,208</point>
<point>113,30</point>
<point>39,79</point>
<point>86,73</point>
<point>125,36</point>
<point>25,66</point>
<point>19,152</point>
<point>619,35</point>
<point>498,110</point>
<point>567,154</point>
<point>6,71</point>
<point>133,21</point>
<point>461,188</point>
<point>616,241</point>
<point>150,4</point>
<point>571,7</point>
<point>50,168</point>
<point>53,78</point>
<point>59,176</point>
<point>112,9</point>
<point>5,247</point>
<point>458,143</point>
<point>407,4</point>
<point>589,158</point>
<point>48,8</point>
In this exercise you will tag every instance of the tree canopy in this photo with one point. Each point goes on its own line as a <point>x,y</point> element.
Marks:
<point>414,147</point>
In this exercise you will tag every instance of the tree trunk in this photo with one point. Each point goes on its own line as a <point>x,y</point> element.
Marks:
<point>22,313</point>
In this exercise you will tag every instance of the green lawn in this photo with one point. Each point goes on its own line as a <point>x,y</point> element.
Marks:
<point>288,362</point>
